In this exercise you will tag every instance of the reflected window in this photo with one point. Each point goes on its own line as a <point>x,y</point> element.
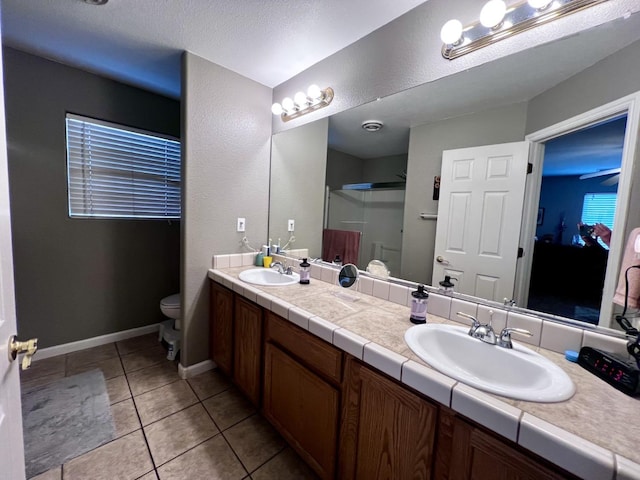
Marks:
<point>599,208</point>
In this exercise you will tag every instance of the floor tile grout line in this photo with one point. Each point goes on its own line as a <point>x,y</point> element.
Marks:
<point>194,447</point>
<point>144,434</point>
<point>233,450</point>
<point>269,459</point>
<point>225,438</point>
<point>154,388</point>
<point>167,416</point>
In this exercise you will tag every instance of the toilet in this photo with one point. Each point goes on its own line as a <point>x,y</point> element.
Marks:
<point>169,331</point>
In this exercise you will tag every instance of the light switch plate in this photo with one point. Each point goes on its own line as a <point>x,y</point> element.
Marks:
<point>241,225</point>
<point>291,225</point>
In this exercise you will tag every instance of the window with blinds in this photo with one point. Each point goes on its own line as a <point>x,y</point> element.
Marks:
<point>599,208</point>
<point>120,172</point>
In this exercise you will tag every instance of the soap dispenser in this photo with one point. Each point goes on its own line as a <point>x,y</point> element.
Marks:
<point>419,306</point>
<point>305,272</point>
<point>447,284</point>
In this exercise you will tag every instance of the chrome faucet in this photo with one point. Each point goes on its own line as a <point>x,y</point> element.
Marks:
<point>480,331</point>
<point>282,270</point>
<point>504,340</point>
<point>485,333</point>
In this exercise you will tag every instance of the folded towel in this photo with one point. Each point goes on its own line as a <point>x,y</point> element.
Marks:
<point>341,242</point>
<point>630,258</point>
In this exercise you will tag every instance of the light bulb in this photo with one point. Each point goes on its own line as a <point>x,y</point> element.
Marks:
<point>301,99</point>
<point>492,13</point>
<point>314,91</point>
<point>276,109</point>
<point>539,4</point>
<point>451,32</point>
<point>288,105</point>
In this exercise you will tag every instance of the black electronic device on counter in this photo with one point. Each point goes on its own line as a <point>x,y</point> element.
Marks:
<point>620,374</point>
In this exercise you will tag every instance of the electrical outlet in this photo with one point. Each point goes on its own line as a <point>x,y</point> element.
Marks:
<point>241,225</point>
<point>291,225</point>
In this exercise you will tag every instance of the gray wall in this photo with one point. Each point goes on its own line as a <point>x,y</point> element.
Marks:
<point>614,77</point>
<point>606,81</point>
<point>77,278</point>
<point>342,168</point>
<point>426,143</point>
<point>226,138</point>
<point>407,52</point>
<point>298,162</point>
<point>384,169</point>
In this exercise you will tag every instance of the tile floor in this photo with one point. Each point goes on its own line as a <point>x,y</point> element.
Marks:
<point>168,428</point>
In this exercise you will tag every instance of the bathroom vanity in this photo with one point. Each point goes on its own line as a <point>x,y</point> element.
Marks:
<point>361,405</point>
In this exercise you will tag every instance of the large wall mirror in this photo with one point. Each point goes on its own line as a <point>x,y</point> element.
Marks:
<point>379,179</point>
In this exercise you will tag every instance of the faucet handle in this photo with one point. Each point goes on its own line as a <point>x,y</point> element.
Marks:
<point>475,324</point>
<point>505,336</point>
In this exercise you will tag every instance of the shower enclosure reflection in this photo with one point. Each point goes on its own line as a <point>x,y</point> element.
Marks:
<point>376,211</point>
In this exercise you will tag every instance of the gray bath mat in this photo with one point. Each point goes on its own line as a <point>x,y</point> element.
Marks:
<point>64,419</point>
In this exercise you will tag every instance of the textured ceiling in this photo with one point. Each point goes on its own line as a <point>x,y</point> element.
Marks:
<point>140,41</point>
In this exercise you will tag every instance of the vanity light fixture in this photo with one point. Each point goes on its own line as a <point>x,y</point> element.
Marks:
<point>498,21</point>
<point>302,103</point>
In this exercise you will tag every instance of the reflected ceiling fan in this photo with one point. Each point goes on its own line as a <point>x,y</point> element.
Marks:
<point>612,180</point>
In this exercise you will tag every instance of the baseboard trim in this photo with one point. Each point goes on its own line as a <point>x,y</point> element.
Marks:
<point>197,369</point>
<point>56,350</point>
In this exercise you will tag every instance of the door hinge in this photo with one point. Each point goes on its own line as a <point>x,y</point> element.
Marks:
<point>529,168</point>
<point>520,252</point>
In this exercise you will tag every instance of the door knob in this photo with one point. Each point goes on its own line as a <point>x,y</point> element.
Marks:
<point>29,348</point>
<point>441,259</point>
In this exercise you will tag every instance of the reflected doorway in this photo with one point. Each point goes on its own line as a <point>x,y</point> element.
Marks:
<point>579,185</point>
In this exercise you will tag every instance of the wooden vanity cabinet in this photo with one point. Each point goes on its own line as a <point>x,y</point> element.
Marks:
<point>318,397</point>
<point>221,327</point>
<point>247,348</point>
<point>387,431</point>
<point>468,452</point>
<point>301,392</point>
<point>235,327</point>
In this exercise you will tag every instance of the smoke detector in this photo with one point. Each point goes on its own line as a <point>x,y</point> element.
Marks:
<point>372,125</point>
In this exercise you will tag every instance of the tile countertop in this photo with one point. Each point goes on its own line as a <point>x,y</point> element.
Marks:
<point>593,435</point>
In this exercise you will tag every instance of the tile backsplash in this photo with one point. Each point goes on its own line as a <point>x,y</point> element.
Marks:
<point>546,334</point>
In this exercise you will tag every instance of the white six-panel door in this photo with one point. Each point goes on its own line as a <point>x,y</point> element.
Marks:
<point>479,217</point>
<point>11,446</point>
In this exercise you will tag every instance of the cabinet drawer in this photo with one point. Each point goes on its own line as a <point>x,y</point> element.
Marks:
<point>317,354</point>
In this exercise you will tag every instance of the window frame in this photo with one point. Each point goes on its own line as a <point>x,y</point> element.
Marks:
<point>76,162</point>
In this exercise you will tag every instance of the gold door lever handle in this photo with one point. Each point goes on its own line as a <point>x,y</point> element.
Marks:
<point>29,348</point>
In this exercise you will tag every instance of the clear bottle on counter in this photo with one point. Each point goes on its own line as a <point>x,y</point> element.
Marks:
<point>419,306</point>
<point>305,272</point>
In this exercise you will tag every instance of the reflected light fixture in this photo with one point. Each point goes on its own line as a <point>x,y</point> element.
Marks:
<point>302,103</point>
<point>498,21</point>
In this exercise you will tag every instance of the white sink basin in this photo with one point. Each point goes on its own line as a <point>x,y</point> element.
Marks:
<point>266,276</point>
<point>518,373</point>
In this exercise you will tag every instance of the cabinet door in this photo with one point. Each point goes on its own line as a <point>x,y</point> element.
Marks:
<point>477,455</point>
<point>247,352</point>
<point>304,408</point>
<point>387,432</point>
<point>221,327</point>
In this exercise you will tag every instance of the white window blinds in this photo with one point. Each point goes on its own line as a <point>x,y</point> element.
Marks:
<point>119,172</point>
